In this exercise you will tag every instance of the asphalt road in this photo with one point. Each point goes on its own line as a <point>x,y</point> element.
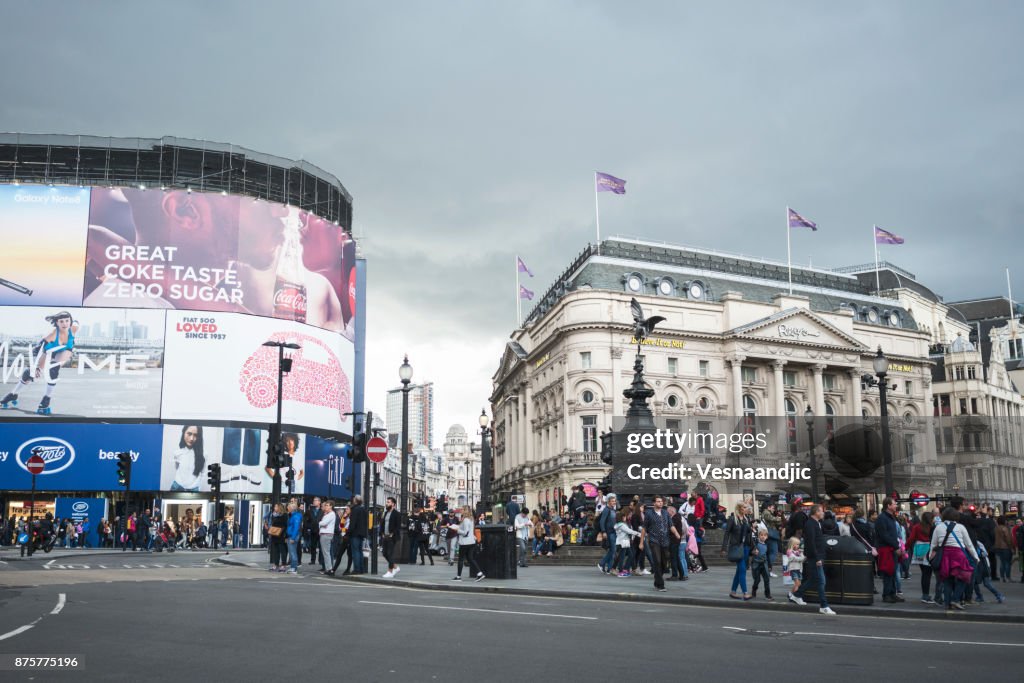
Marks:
<point>230,623</point>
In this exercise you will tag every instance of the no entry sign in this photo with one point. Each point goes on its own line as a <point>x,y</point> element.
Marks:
<point>377,449</point>
<point>35,465</point>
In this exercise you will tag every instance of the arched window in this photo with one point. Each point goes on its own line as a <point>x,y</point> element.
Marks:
<point>749,419</point>
<point>791,426</point>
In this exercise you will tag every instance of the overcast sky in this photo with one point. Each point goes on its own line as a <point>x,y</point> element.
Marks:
<point>468,132</point>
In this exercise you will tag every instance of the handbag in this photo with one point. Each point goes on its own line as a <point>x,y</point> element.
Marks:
<point>735,553</point>
<point>276,531</point>
<point>936,559</point>
<point>920,552</point>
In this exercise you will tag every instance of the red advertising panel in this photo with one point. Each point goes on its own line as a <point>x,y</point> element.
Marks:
<point>210,252</point>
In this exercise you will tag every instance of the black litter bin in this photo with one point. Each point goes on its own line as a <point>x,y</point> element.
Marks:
<point>497,551</point>
<point>849,572</point>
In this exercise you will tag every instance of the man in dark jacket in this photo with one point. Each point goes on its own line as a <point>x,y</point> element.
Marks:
<point>888,544</point>
<point>655,536</point>
<point>579,503</point>
<point>814,565</point>
<point>797,519</point>
<point>312,531</point>
<point>390,535</point>
<point>358,527</point>
<point>142,524</point>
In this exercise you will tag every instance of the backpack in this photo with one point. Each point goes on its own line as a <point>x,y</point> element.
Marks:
<point>602,521</point>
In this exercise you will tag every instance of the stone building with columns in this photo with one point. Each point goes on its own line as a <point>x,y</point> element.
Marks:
<point>736,342</point>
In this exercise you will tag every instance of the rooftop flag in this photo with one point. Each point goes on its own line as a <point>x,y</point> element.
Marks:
<point>798,221</point>
<point>609,183</point>
<point>524,293</point>
<point>521,267</point>
<point>886,237</point>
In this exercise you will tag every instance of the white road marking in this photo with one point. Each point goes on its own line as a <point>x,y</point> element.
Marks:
<point>859,637</point>
<point>50,562</point>
<point>476,609</point>
<point>60,604</point>
<point>11,634</point>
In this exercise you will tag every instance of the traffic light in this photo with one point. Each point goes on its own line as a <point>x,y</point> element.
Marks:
<point>359,447</point>
<point>289,478</point>
<point>124,469</point>
<point>213,477</point>
<point>275,453</point>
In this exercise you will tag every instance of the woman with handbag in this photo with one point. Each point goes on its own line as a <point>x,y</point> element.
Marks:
<point>276,532</point>
<point>951,547</point>
<point>920,542</point>
<point>736,543</point>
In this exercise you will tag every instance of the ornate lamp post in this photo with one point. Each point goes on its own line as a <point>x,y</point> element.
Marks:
<point>405,374</point>
<point>485,461</point>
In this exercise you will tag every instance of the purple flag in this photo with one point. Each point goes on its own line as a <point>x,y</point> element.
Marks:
<point>522,267</point>
<point>798,221</point>
<point>609,183</point>
<point>886,237</point>
<point>524,293</point>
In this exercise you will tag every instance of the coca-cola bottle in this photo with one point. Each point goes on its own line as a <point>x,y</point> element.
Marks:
<point>289,290</point>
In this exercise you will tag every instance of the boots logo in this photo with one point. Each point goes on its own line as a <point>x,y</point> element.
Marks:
<point>58,454</point>
<point>80,507</point>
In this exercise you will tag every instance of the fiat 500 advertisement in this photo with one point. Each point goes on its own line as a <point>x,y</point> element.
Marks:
<point>218,368</point>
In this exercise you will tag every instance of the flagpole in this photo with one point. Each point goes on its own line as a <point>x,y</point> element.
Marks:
<point>789,253</point>
<point>1009,294</point>
<point>519,303</point>
<point>597,215</point>
<point>878,281</point>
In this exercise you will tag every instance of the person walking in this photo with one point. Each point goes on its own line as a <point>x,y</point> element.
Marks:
<point>413,532</point>
<point>523,526</point>
<point>425,528</point>
<point>390,532</point>
<point>887,537</point>
<point>736,543</point>
<point>467,545</point>
<point>276,530</point>
<point>328,519</point>
<point>1003,551</point>
<point>655,536</point>
<point>952,539</point>
<point>759,565</point>
<point>814,553</point>
<point>605,524</point>
<point>293,536</point>
<point>920,541</point>
<point>312,521</point>
<point>358,528</point>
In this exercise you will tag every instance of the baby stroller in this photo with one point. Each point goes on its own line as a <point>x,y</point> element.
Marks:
<point>437,544</point>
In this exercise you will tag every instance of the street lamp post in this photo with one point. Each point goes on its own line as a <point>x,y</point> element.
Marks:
<point>809,419</point>
<point>880,364</point>
<point>485,462</point>
<point>405,374</point>
<point>284,365</point>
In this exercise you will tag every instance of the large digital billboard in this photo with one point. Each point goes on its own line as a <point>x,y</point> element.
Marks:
<point>208,252</point>
<point>218,369</point>
<point>78,457</point>
<point>189,449</point>
<point>80,363</point>
<point>42,233</point>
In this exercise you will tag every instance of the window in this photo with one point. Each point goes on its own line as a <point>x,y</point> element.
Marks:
<point>970,372</point>
<point>908,447</point>
<point>829,382</point>
<point>585,360</point>
<point>791,426</point>
<point>673,401</point>
<point>908,387</point>
<point>749,419</point>
<point>673,366</point>
<point>789,378</point>
<point>674,425</point>
<point>704,403</point>
<point>941,405</point>
<point>749,375</point>
<point>634,282</point>
<point>705,368</point>
<point>959,372</point>
<point>1015,349</point>
<point>969,477</point>
<point>705,439</point>
<point>589,433</point>
<point>963,406</point>
<point>974,406</point>
<point>588,396</point>
<point>951,480</point>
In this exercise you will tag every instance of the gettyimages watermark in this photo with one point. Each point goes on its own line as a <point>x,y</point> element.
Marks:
<point>842,455</point>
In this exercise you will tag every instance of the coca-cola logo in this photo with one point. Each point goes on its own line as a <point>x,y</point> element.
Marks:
<point>291,298</point>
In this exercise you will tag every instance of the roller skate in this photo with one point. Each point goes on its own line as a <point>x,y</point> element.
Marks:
<point>44,406</point>
<point>10,399</point>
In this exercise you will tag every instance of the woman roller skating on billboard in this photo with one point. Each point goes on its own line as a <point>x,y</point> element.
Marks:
<point>55,346</point>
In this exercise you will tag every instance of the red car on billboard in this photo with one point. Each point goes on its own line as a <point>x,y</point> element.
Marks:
<point>316,377</point>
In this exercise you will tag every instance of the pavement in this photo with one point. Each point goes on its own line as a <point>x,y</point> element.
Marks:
<point>709,589</point>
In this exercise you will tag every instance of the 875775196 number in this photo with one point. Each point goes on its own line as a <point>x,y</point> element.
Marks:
<point>15,662</point>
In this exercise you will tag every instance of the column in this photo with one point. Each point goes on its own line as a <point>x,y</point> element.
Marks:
<point>737,385</point>
<point>616,384</point>
<point>819,389</point>
<point>528,450</point>
<point>512,433</point>
<point>780,392</point>
<point>855,397</point>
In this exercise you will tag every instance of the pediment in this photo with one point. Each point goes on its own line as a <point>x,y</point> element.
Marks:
<point>796,326</point>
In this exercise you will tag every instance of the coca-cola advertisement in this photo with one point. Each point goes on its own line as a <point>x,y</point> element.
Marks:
<point>210,252</point>
<point>218,368</point>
